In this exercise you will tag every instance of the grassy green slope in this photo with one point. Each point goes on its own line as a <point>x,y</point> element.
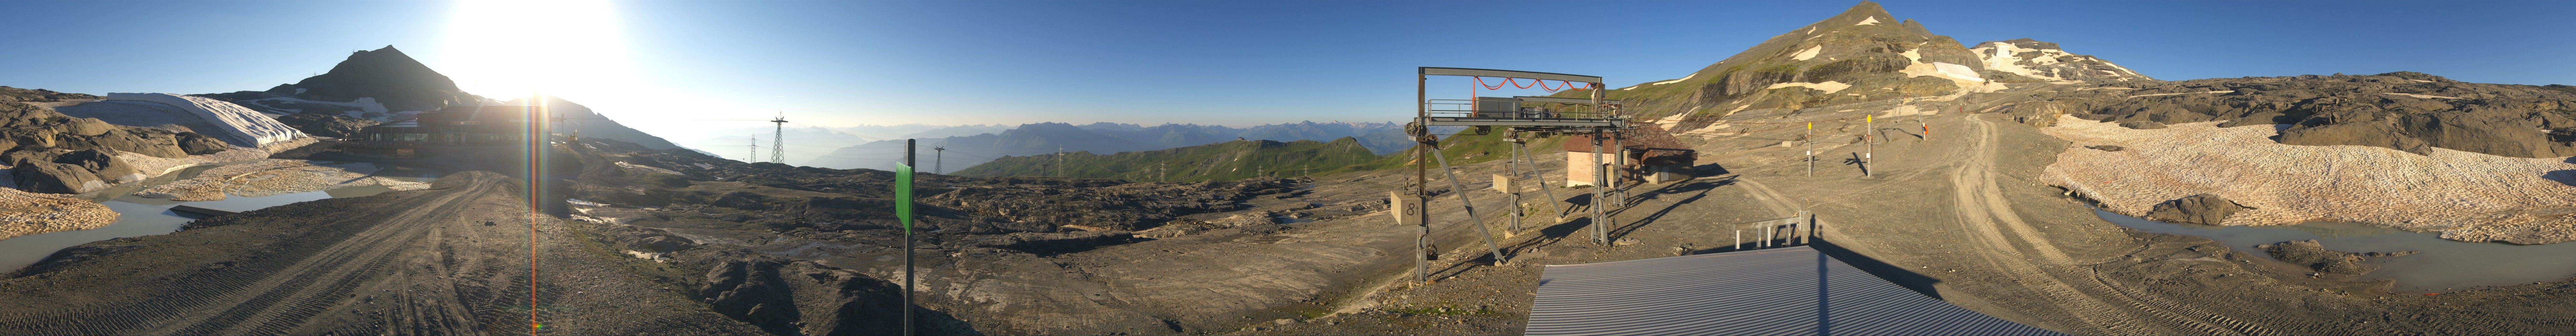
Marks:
<point>1219,161</point>
<point>1463,148</point>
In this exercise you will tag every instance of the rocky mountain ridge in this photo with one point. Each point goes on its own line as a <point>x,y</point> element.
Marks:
<point>1051,137</point>
<point>382,85</point>
<point>1228,160</point>
<point>2406,111</point>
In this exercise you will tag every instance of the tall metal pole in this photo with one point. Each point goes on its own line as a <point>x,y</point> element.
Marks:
<point>1869,145</point>
<point>778,139</point>
<point>1811,149</point>
<point>1600,182</point>
<point>1460,190</point>
<point>907,252</point>
<point>1543,187</point>
<point>754,154</point>
<point>1513,181</point>
<point>1421,178</point>
<point>938,155</point>
<point>1620,165</point>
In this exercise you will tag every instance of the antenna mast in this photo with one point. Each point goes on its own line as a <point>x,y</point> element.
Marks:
<point>778,139</point>
<point>754,155</point>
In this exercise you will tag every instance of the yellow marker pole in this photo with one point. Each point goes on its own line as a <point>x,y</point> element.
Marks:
<point>1811,154</point>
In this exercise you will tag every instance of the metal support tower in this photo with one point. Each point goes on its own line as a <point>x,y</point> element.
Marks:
<point>778,139</point>
<point>754,154</point>
<point>937,155</point>
<point>1477,114</point>
<point>1600,191</point>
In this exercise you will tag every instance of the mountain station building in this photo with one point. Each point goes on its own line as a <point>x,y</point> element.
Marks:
<point>453,128</point>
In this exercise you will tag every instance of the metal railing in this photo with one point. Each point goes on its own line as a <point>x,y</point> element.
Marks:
<point>1462,108</point>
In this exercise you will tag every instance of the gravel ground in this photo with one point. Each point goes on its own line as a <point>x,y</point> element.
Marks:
<point>273,177</point>
<point>24,213</point>
<point>2467,196</point>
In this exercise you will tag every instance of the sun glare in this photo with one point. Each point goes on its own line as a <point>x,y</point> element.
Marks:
<point>510,49</point>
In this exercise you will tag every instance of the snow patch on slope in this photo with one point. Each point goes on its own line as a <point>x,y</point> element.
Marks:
<point>239,125</point>
<point>1810,52</point>
<point>2006,57</point>
<point>1867,21</point>
<point>2425,96</point>
<point>1684,78</point>
<point>1827,86</point>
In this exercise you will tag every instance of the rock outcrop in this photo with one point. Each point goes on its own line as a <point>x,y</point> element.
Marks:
<point>2400,110</point>
<point>239,125</point>
<point>796,297</point>
<point>10,94</point>
<point>2205,209</point>
<point>2315,256</point>
<point>52,153</point>
<point>326,124</point>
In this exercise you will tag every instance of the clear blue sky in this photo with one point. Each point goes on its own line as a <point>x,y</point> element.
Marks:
<point>1218,62</point>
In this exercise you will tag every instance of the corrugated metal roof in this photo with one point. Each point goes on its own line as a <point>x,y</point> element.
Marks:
<point>1782,291</point>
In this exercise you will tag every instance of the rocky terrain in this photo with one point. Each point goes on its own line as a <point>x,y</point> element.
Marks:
<point>383,85</point>
<point>1994,214</point>
<point>11,94</point>
<point>2028,61</point>
<point>273,177</point>
<point>1861,55</point>
<point>2315,256</point>
<point>2406,111</point>
<point>24,213</point>
<point>52,153</point>
<point>2466,196</point>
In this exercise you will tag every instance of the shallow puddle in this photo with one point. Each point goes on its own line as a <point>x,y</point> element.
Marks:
<point>2444,266</point>
<point>139,216</point>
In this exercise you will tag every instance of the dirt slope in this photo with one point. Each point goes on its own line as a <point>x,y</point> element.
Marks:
<point>419,262</point>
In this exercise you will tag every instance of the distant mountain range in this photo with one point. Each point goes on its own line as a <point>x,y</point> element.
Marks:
<point>1228,160</point>
<point>1049,138</point>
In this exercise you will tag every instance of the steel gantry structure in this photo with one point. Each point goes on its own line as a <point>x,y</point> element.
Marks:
<point>1595,116</point>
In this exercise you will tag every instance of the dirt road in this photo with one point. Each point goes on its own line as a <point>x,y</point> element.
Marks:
<point>415,262</point>
<point>1965,219</point>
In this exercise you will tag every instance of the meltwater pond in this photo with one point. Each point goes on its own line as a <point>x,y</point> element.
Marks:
<point>139,216</point>
<point>2444,266</point>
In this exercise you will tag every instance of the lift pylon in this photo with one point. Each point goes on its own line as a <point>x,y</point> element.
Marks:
<point>1488,112</point>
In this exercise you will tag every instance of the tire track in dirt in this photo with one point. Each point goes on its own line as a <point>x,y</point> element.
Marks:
<point>289,299</point>
<point>281,287</point>
<point>1983,209</point>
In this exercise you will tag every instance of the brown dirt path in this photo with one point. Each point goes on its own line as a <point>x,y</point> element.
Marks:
<point>419,262</point>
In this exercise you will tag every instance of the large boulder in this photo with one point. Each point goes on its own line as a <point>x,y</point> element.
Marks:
<point>56,178</point>
<point>106,166</point>
<point>800,297</point>
<point>2196,209</point>
<point>192,143</point>
<point>23,125</point>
